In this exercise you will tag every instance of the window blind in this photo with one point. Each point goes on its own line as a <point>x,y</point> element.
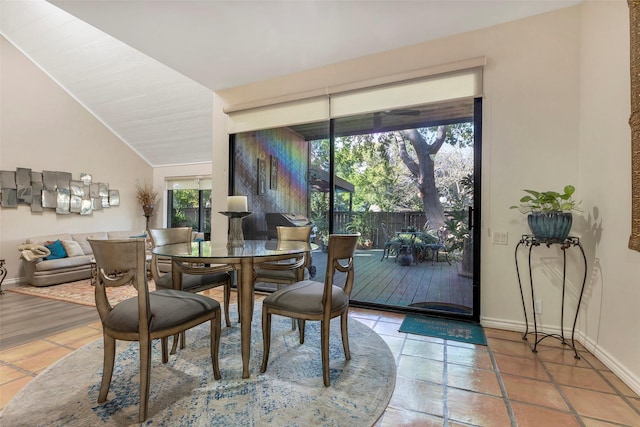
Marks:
<point>450,81</point>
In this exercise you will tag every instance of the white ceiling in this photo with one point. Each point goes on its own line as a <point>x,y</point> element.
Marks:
<point>147,69</point>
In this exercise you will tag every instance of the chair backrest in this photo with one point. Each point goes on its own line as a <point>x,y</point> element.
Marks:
<point>170,236</point>
<point>340,259</point>
<point>167,236</point>
<point>121,262</point>
<point>295,234</point>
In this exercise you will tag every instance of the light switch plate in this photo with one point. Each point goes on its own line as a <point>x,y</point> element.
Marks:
<point>500,238</point>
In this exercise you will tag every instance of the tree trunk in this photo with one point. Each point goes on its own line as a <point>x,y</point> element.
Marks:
<point>422,169</point>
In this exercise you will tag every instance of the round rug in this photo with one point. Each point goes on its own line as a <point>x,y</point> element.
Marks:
<point>183,392</point>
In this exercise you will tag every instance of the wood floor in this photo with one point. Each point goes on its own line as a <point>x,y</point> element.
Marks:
<point>23,319</point>
<point>387,282</point>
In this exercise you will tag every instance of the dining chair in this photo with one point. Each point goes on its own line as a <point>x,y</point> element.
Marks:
<point>290,271</point>
<point>190,282</point>
<point>439,246</point>
<point>147,316</point>
<point>315,301</point>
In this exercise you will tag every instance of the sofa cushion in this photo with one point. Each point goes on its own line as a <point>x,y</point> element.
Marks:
<point>83,261</point>
<point>81,238</point>
<point>57,250</point>
<point>72,248</point>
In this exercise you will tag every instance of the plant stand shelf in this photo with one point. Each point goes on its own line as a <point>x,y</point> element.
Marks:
<point>530,242</point>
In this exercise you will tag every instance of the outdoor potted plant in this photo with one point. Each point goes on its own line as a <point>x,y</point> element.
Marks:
<point>550,213</point>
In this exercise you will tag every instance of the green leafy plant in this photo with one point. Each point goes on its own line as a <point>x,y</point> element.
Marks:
<point>548,201</point>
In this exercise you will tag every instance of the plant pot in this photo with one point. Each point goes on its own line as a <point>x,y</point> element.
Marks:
<point>551,225</point>
<point>405,259</point>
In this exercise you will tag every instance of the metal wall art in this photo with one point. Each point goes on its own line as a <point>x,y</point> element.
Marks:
<point>55,190</point>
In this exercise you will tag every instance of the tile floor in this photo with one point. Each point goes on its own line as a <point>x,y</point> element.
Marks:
<point>438,383</point>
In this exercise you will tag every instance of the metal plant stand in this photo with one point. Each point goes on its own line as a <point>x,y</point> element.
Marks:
<point>529,241</point>
<point>3,274</point>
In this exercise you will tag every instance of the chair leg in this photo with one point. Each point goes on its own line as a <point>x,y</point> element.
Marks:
<point>145,366</point>
<point>215,345</point>
<point>164,343</point>
<point>345,334</point>
<point>107,368</point>
<point>174,346</point>
<point>324,344</point>
<point>301,324</point>
<point>266,338</point>
<point>227,298</point>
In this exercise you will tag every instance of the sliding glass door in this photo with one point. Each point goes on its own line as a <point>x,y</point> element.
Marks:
<point>402,178</point>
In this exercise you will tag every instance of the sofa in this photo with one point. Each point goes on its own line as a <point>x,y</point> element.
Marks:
<point>46,272</point>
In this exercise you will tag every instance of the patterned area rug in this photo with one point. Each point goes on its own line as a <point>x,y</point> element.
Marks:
<point>80,292</point>
<point>184,393</point>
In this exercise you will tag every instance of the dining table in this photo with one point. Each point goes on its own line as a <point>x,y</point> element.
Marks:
<point>203,257</point>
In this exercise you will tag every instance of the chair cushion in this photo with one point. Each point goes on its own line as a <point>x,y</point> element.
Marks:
<point>193,281</point>
<point>306,297</point>
<point>168,308</point>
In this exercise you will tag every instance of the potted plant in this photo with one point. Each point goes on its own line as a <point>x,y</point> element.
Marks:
<point>147,198</point>
<point>550,213</point>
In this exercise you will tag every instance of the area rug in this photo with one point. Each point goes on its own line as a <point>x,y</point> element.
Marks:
<point>184,393</point>
<point>79,292</point>
<point>443,328</point>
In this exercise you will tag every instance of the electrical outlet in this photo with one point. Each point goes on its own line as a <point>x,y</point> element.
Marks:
<point>538,306</point>
<point>500,237</point>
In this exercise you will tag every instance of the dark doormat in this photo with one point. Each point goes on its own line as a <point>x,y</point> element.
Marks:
<point>471,333</point>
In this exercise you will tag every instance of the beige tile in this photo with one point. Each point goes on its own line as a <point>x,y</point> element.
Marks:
<point>503,334</point>
<point>620,386</point>
<point>593,361</point>
<point>601,406</point>
<point>42,360</point>
<point>26,350</point>
<point>75,338</point>
<point>590,422</point>
<point>533,391</point>
<point>7,391</point>
<point>522,366</point>
<point>388,328</point>
<point>395,344</point>
<point>578,377</point>
<point>564,356</point>
<point>401,418</point>
<point>421,369</point>
<point>425,349</point>
<point>512,348</point>
<point>477,409</point>
<point>8,374</point>
<point>536,416</point>
<point>478,358</point>
<point>470,378</point>
<point>419,396</point>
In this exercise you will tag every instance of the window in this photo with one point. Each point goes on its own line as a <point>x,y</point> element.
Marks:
<point>189,203</point>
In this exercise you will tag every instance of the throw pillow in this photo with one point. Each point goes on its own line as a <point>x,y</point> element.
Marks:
<point>72,248</point>
<point>57,250</point>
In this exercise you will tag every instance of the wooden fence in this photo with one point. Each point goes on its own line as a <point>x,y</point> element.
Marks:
<point>368,223</point>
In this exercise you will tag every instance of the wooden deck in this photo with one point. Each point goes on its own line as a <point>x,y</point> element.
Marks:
<point>425,285</point>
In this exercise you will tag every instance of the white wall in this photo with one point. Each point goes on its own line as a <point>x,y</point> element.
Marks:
<point>43,128</point>
<point>609,321</point>
<point>556,104</point>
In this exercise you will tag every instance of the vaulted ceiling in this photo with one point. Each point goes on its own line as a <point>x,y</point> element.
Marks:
<point>147,69</point>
